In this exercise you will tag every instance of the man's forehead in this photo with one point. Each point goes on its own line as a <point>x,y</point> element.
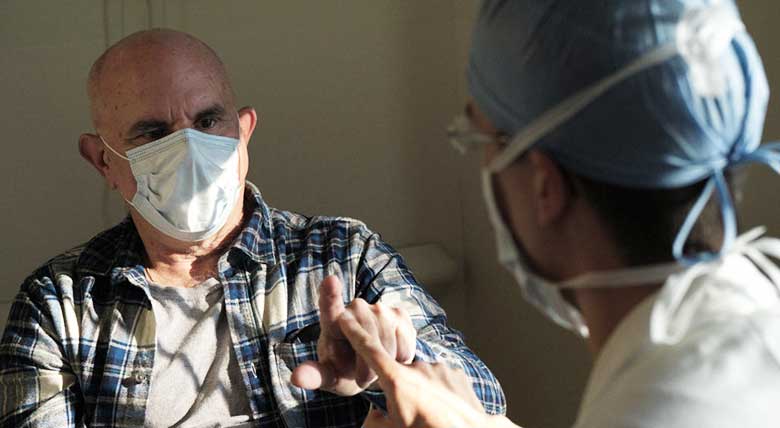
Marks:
<point>157,75</point>
<point>163,92</point>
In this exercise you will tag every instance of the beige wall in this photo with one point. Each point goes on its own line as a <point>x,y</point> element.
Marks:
<point>50,200</point>
<point>352,98</point>
<point>760,205</point>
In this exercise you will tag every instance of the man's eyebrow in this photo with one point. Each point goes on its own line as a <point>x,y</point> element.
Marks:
<point>146,125</point>
<point>214,110</point>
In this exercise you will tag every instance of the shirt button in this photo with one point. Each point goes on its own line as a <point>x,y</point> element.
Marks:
<point>136,378</point>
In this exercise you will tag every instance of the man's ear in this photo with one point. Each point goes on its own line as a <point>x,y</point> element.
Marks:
<point>92,150</point>
<point>549,188</point>
<point>247,119</point>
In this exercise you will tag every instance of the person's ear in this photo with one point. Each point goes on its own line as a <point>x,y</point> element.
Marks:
<point>92,150</point>
<point>549,188</point>
<point>247,120</point>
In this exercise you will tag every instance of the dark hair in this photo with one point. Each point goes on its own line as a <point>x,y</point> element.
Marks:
<point>645,222</point>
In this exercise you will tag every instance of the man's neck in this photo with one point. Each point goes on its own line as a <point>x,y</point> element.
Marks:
<point>172,262</point>
<point>604,309</point>
<point>585,245</point>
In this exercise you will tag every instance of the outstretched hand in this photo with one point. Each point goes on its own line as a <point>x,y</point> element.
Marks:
<point>339,369</point>
<point>419,395</point>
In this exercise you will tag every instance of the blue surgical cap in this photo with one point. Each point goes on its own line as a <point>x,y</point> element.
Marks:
<point>643,93</point>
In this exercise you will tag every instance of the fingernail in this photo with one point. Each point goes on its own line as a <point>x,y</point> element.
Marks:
<point>347,315</point>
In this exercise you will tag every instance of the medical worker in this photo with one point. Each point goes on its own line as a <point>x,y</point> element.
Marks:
<point>612,134</point>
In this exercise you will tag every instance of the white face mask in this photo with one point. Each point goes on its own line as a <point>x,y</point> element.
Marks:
<point>543,294</point>
<point>187,182</point>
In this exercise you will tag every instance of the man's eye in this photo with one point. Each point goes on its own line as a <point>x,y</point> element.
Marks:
<point>153,135</point>
<point>207,123</point>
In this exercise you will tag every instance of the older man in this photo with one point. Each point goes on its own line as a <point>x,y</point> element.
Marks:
<point>201,306</point>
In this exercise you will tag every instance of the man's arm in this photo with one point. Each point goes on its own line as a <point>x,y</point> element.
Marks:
<point>414,329</point>
<point>37,386</point>
<point>382,272</point>
<point>418,395</point>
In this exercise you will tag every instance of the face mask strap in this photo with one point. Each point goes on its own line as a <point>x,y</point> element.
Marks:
<point>536,290</point>
<point>564,111</point>
<point>767,154</point>
<point>716,182</point>
<point>627,277</point>
<point>112,149</point>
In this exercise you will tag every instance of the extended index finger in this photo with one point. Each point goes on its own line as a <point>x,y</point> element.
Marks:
<point>369,348</point>
<point>330,303</point>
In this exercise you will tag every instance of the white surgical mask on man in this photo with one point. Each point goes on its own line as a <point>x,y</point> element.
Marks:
<point>543,294</point>
<point>187,182</point>
<point>546,294</point>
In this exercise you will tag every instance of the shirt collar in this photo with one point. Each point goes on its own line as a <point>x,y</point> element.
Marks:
<point>119,251</point>
<point>256,238</point>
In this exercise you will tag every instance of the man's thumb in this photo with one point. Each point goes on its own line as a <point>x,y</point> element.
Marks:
<point>312,375</point>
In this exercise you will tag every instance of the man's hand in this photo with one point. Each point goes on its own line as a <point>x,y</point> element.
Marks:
<point>419,395</point>
<point>339,369</point>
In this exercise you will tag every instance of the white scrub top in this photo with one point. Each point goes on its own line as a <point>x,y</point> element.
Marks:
<point>723,372</point>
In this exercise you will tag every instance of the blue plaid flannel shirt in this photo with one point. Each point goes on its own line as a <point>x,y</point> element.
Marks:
<point>79,345</point>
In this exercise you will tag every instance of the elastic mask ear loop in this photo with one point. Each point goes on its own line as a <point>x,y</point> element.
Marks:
<point>716,182</point>
<point>112,149</point>
<point>121,156</point>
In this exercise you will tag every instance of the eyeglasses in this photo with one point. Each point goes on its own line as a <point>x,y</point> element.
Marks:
<point>466,137</point>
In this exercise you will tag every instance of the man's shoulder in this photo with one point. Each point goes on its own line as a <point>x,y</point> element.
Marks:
<point>320,239</point>
<point>694,381</point>
<point>93,257</point>
<point>295,224</point>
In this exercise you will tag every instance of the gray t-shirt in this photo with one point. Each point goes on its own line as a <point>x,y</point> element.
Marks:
<point>196,380</point>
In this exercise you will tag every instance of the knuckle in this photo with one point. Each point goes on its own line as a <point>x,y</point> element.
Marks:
<point>398,312</point>
<point>398,317</point>
<point>351,310</point>
<point>462,374</point>
<point>357,304</point>
<point>379,309</point>
<point>438,368</point>
<point>393,382</point>
<point>423,367</point>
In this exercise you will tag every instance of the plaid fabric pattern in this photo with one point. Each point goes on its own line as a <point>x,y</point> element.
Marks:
<point>79,346</point>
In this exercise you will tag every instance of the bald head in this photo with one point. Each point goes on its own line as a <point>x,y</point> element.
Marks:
<point>162,54</point>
